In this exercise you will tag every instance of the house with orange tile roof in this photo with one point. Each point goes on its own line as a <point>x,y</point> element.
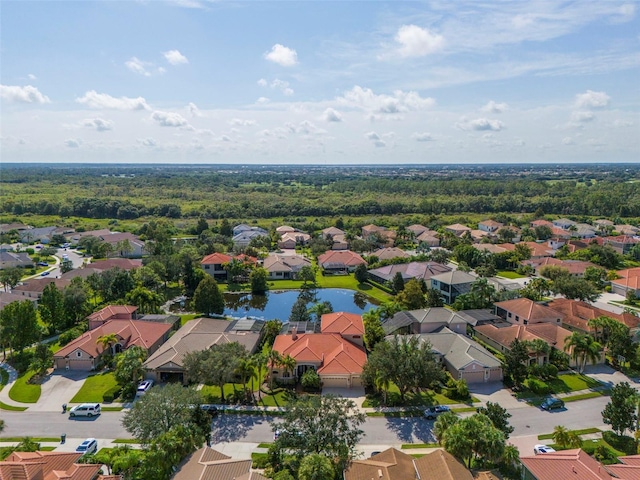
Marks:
<point>121,263</point>
<point>576,315</point>
<point>340,261</point>
<point>501,335</point>
<point>629,281</point>
<point>538,250</point>
<point>576,268</point>
<point>214,263</point>
<point>49,466</point>
<point>575,464</point>
<point>540,223</point>
<point>393,464</point>
<point>522,311</point>
<point>490,226</point>
<point>622,244</point>
<point>457,229</point>
<point>111,312</point>
<point>332,353</point>
<point>85,352</point>
<point>290,240</point>
<point>209,464</point>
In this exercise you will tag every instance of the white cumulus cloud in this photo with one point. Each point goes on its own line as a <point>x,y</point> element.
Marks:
<point>422,137</point>
<point>174,57</point>
<point>493,107</point>
<point>138,66</point>
<point>169,119</point>
<point>94,99</point>
<point>262,82</point>
<point>480,124</point>
<point>73,143</point>
<point>582,116</point>
<point>262,101</point>
<point>331,115</point>
<point>282,55</point>
<point>99,124</point>
<point>241,122</point>
<point>365,99</point>
<point>31,76</point>
<point>591,99</point>
<point>417,42</point>
<point>26,94</point>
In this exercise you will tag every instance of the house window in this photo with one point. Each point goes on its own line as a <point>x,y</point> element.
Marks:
<point>275,372</point>
<point>525,322</point>
<point>517,318</point>
<point>356,336</point>
<point>78,354</point>
<point>206,267</point>
<point>509,314</point>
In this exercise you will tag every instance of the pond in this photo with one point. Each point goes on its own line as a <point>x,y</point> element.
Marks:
<point>278,304</point>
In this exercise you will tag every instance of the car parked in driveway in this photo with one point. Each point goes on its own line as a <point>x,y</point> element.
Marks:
<point>538,449</point>
<point>90,445</point>
<point>433,412</point>
<point>85,410</point>
<point>551,403</point>
<point>44,274</point>
<point>144,387</point>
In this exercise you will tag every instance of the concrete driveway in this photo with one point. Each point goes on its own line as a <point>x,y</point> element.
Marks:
<point>496,393</point>
<point>356,393</point>
<point>60,387</point>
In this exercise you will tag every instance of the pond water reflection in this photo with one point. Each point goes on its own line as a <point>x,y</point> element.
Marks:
<point>278,304</point>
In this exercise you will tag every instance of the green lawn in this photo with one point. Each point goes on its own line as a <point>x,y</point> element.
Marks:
<point>427,398</point>
<point>211,393</point>
<point>127,441</point>
<point>24,392</point>
<point>585,431</point>
<point>35,439</point>
<point>510,274</point>
<point>4,406</point>
<point>572,383</point>
<point>94,387</point>
<point>277,400</point>
<point>55,346</point>
<point>189,316</point>
<point>409,446</point>
<point>586,396</point>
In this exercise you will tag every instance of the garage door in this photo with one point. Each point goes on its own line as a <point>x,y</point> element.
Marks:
<point>473,377</point>
<point>356,382</point>
<point>80,364</point>
<point>341,382</point>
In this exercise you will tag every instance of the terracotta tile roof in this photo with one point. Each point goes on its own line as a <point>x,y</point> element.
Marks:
<point>110,311</point>
<point>574,267</point>
<point>553,334</point>
<point>417,229</point>
<point>630,460</point>
<point>132,332</point>
<point>457,228</point>
<point>122,263</point>
<point>46,466</point>
<point>491,475</point>
<point>625,472</point>
<point>529,310</point>
<point>441,465</point>
<point>342,323</point>
<point>334,354</point>
<point>209,464</point>
<point>490,247</point>
<point>340,257</point>
<point>216,259</point>
<point>537,249</point>
<point>629,272</point>
<point>332,231</point>
<point>577,314</point>
<point>39,284</point>
<point>574,464</point>
<point>390,464</point>
<point>491,223</point>
<point>389,253</point>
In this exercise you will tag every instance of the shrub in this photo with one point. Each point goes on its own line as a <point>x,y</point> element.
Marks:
<point>69,335</point>
<point>260,460</point>
<point>620,442</point>
<point>22,361</point>
<point>111,394</point>
<point>311,381</point>
<point>538,386</point>
<point>550,371</point>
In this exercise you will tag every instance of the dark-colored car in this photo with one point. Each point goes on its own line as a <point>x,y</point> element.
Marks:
<point>210,409</point>
<point>551,403</point>
<point>433,412</point>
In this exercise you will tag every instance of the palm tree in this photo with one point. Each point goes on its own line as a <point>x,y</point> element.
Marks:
<point>511,455</point>
<point>574,440</point>
<point>288,363</point>
<point>582,348</point>
<point>274,359</point>
<point>561,435</point>
<point>598,326</point>
<point>443,423</point>
<point>539,347</point>
<point>107,340</point>
<point>261,360</point>
<point>245,370</point>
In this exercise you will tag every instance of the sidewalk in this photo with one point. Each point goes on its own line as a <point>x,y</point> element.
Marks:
<point>4,393</point>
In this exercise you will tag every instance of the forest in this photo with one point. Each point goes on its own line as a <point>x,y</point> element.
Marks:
<point>261,192</point>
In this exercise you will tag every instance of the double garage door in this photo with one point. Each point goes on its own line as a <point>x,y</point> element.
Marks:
<point>341,382</point>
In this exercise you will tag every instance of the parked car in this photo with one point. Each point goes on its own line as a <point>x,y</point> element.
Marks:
<point>210,409</point>
<point>433,412</point>
<point>551,403</point>
<point>85,410</point>
<point>144,387</point>
<point>44,274</point>
<point>542,449</point>
<point>43,264</point>
<point>90,445</point>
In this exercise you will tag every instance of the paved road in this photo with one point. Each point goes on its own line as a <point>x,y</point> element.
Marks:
<point>253,428</point>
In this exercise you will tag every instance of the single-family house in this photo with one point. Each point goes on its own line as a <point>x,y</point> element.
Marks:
<point>576,315</point>
<point>393,464</point>
<point>284,266</point>
<point>451,284</point>
<point>622,244</point>
<point>417,229</point>
<point>425,320</point>
<point>121,263</point>
<point>166,364</point>
<point>429,238</point>
<point>290,240</point>
<point>629,281</point>
<point>561,233</point>
<point>603,224</point>
<point>538,250</point>
<point>337,236</point>
<point>243,234</point>
<point>340,261</point>
<point>209,464</point>
<point>413,270</point>
<point>389,236</point>
<point>583,230</point>
<point>75,237</point>
<point>112,312</point>
<point>626,229</point>
<point>125,245</point>
<point>83,273</point>
<point>332,353</point>
<point>41,234</point>
<point>34,287</point>
<point>563,223</point>
<point>478,235</point>
<point>576,464</point>
<point>463,357</point>
<point>18,227</point>
<point>540,223</point>
<point>489,248</point>
<point>576,268</point>
<point>389,253</point>
<point>490,226</point>
<point>50,466</point>
<point>85,352</point>
<point>8,297</point>
<point>13,260</point>
<point>284,229</point>
<point>214,263</point>
<point>500,335</point>
<point>522,311</point>
<point>457,229</point>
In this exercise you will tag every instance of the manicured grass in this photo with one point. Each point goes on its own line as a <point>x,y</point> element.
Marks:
<point>510,274</point>
<point>278,399</point>
<point>463,410</point>
<point>24,392</point>
<point>189,316</point>
<point>126,440</point>
<point>586,396</point>
<point>409,446</point>
<point>572,383</point>
<point>47,449</point>
<point>112,409</point>
<point>264,445</point>
<point>4,406</point>
<point>427,398</point>
<point>35,439</point>
<point>211,393</point>
<point>584,431</point>
<point>55,346</point>
<point>401,414</point>
<point>94,387</point>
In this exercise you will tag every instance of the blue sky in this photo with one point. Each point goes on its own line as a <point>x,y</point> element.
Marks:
<point>320,82</point>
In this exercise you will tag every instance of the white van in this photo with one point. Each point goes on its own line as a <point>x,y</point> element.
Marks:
<point>85,410</point>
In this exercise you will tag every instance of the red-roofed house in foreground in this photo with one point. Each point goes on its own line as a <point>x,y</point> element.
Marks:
<point>336,353</point>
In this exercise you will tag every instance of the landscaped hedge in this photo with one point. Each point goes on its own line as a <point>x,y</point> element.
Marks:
<point>538,386</point>
<point>111,394</point>
<point>623,443</point>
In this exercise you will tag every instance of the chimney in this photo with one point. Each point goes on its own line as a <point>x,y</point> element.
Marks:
<point>294,333</point>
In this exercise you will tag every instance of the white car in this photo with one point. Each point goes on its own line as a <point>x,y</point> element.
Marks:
<point>542,449</point>
<point>90,445</point>
<point>85,410</point>
<point>144,387</point>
